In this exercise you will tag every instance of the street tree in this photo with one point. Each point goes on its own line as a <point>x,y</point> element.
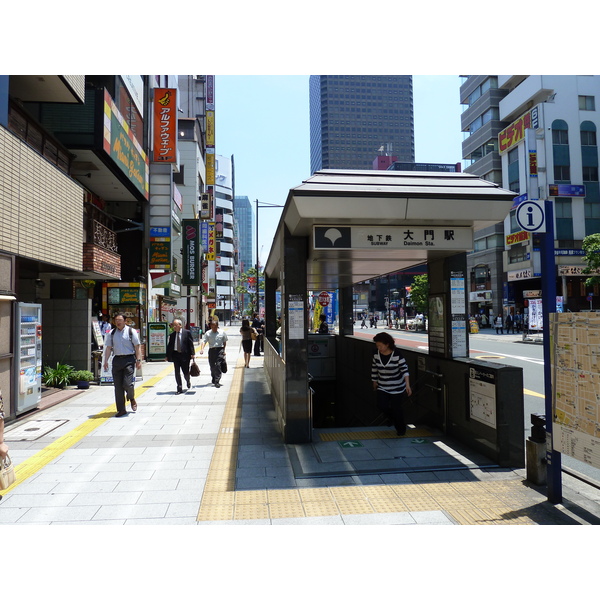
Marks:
<point>591,247</point>
<point>419,293</point>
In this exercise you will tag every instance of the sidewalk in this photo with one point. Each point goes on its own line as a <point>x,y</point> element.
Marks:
<point>214,456</point>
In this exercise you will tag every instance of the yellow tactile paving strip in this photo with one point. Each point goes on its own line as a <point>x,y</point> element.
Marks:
<point>505,502</point>
<point>40,459</point>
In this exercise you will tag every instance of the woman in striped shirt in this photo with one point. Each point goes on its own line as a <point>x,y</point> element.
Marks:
<point>391,381</point>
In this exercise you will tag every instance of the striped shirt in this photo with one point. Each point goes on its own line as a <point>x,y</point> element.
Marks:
<point>389,372</point>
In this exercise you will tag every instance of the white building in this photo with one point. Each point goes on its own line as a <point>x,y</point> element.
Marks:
<point>549,151</point>
<point>226,244</point>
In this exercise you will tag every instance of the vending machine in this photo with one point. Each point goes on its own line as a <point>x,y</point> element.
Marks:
<point>28,356</point>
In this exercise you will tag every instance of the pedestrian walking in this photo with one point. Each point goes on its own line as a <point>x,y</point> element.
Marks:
<point>391,380</point>
<point>124,343</point>
<point>248,334</point>
<point>518,322</point>
<point>362,323</point>
<point>509,324</point>
<point>258,325</point>
<point>180,350</point>
<point>105,326</point>
<point>217,341</point>
<point>498,324</point>
<point>323,327</point>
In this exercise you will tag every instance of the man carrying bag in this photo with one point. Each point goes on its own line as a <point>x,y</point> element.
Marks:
<point>180,350</point>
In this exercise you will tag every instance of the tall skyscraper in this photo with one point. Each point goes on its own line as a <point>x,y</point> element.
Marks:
<point>245,220</point>
<point>352,117</point>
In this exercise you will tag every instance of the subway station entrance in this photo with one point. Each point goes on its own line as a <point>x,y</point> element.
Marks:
<point>339,228</point>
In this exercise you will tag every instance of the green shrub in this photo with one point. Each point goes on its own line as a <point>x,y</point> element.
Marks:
<point>58,376</point>
<point>82,376</point>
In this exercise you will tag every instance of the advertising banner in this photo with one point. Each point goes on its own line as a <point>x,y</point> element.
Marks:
<point>508,138</point>
<point>165,125</point>
<point>120,144</point>
<point>192,251</point>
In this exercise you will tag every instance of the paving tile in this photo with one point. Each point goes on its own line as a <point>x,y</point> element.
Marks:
<point>183,509</point>
<point>106,498</point>
<point>399,518</point>
<point>434,517</point>
<point>162,496</point>
<point>138,511</point>
<point>36,500</point>
<point>82,514</point>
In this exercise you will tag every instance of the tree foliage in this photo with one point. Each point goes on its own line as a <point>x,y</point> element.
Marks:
<point>591,247</point>
<point>242,286</point>
<point>419,293</point>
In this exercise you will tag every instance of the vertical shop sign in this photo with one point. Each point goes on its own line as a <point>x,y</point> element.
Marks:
<point>191,252</point>
<point>210,252</point>
<point>210,166</point>
<point>165,125</point>
<point>210,128</point>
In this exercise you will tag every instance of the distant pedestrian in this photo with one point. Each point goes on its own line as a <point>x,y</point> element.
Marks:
<point>498,324</point>
<point>362,323</point>
<point>518,322</point>
<point>124,343</point>
<point>509,324</point>
<point>258,325</point>
<point>248,333</point>
<point>105,326</point>
<point>391,380</point>
<point>323,327</point>
<point>216,340</point>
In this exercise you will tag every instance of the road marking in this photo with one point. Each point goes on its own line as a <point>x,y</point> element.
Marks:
<point>530,393</point>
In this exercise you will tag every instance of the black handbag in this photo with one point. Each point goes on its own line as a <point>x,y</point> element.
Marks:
<point>223,366</point>
<point>194,369</point>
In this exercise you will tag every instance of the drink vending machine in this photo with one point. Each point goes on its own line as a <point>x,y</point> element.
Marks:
<point>28,355</point>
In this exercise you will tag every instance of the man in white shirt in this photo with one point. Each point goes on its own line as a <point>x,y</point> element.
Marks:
<point>216,340</point>
<point>124,342</point>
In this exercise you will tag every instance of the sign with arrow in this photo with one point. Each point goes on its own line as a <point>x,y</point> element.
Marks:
<point>350,444</point>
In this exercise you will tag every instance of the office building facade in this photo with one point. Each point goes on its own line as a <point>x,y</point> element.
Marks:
<point>353,116</point>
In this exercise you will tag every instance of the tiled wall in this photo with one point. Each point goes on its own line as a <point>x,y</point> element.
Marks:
<point>41,209</point>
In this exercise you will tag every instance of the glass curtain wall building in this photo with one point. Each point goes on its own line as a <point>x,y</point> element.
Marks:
<point>352,117</point>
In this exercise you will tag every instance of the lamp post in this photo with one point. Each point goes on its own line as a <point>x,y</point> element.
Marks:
<point>262,205</point>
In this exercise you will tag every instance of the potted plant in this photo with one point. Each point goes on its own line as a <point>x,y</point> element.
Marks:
<point>82,379</point>
<point>58,376</point>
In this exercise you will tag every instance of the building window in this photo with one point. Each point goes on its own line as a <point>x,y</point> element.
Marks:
<point>590,173</point>
<point>562,173</point>
<point>587,103</point>
<point>564,219</point>
<point>588,138</point>
<point>560,137</point>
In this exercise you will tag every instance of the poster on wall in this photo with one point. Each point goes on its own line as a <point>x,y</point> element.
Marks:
<point>535,314</point>
<point>437,325</point>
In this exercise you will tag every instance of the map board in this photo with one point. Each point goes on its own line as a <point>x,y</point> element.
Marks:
<point>575,343</point>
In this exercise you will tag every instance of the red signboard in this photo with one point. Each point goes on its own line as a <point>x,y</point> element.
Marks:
<point>165,125</point>
<point>324,299</point>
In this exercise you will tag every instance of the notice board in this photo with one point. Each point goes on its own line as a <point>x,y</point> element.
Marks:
<point>575,359</point>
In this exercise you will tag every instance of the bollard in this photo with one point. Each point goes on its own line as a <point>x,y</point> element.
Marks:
<point>535,446</point>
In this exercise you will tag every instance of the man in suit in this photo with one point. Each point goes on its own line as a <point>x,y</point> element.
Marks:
<point>180,350</point>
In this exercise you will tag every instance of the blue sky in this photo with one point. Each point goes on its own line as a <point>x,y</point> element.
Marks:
<point>264,122</point>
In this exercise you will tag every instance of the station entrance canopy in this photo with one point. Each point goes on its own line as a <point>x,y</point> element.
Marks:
<point>340,228</point>
<point>364,224</point>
